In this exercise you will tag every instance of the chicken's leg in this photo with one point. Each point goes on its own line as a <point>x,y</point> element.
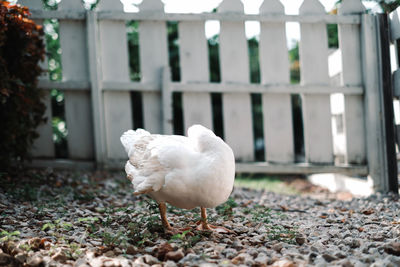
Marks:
<point>163,214</point>
<point>203,225</point>
<point>168,228</point>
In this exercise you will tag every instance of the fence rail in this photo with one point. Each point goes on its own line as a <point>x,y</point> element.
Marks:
<point>98,88</point>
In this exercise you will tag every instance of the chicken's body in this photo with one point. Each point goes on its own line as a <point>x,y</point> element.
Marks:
<point>186,172</point>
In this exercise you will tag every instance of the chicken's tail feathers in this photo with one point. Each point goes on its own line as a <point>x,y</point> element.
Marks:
<point>130,137</point>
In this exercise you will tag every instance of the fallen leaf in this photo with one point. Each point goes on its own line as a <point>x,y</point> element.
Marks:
<point>284,208</point>
<point>368,211</point>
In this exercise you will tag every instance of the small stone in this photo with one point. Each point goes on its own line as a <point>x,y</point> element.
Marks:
<point>150,260</point>
<point>300,239</point>
<point>353,243</point>
<point>237,244</point>
<point>162,250</point>
<point>60,256</point>
<point>393,248</point>
<point>312,256</point>
<point>111,263</point>
<point>378,237</point>
<point>21,257</point>
<point>34,243</point>
<point>283,263</point>
<point>328,257</point>
<point>229,253</point>
<point>347,263</point>
<point>4,258</point>
<point>170,264</point>
<point>277,247</point>
<point>109,254</point>
<point>261,259</point>
<point>241,258</point>
<point>36,260</point>
<point>131,250</point>
<point>117,251</point>
<point>81,263</point>
<point>175,255</point>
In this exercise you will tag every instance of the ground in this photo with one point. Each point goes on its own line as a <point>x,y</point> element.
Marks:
<point>53,218</point>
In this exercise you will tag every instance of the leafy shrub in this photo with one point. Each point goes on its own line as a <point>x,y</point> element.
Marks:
<point>21,109</point>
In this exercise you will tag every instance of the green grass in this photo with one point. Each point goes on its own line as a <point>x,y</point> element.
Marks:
<point>268,183</point>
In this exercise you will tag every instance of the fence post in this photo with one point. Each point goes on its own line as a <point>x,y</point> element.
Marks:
<point>314,71</point>
<point>194,68</point>
<point>153,49</point>
<point>75,68</point>
<point>94,61</point>
<point>274,68</point>
<point>387,101</point>
<point>43,146</point>
<point>373,101</point>
<point>234,62</point>
<point>115,68</point>
<point>349,44</point>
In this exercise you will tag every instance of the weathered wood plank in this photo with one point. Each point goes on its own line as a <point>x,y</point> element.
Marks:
<point>153,53</point>
<point>277,108</point>
<point>395,25</point>
<point>314,70</point>
<point>43,146</point>
<point>75,67</point>
<point>350,46</point>
<point>78,115</point>
<point>234,62</point>
<point>94,60</point>
<point>303,168</point>
<point>115,67</point>
<point>266,88</point>
<point>373,108</point>
<point>194,67</point>
<point>161,16</point>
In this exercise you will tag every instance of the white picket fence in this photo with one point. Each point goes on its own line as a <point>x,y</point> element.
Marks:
<point>97,86</point>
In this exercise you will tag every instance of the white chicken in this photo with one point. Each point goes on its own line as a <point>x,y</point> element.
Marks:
<point>186,172</point>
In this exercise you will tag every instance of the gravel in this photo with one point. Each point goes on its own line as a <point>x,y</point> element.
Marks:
<point>50,218</point>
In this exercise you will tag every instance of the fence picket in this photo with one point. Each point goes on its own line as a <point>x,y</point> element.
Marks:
<point>75,68</point>
<point>237,115</point>
<point>194,67</point>
<point>43,146</point>
<point>277,108</point>
<point>117,105</point>
<point>153,55</point>
<point>314,70</point>
<point>349,44</point>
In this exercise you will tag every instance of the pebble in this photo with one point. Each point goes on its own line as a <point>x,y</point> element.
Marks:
<point>326,232</point>
<point>393,248</point>
<point>175,255</point>
<point>5,258</point>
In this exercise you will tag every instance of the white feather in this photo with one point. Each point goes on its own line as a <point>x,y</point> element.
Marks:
<point>186,172</point>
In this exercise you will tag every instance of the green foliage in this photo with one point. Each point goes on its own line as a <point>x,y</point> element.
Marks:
<point>254,60</point>
<point>213,49</point>
<point>261,214</point>
<point>268,183</point>
<point>294,64</point>
<point>21,107</point>
<point>226,209</point>
<point>133,46</point>
<point>333,36</point>
<point>173,48</point>
<point>187,238</point>
<point>6,236</point>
